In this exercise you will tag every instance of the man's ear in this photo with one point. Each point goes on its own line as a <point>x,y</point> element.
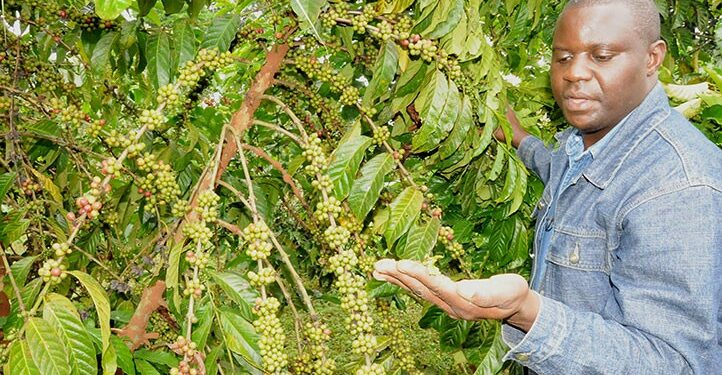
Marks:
<point>656,53</point>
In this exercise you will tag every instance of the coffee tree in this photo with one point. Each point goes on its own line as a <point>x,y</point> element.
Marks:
<point>184,183</point>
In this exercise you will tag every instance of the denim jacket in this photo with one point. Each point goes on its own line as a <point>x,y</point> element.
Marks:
<point>633,281</point>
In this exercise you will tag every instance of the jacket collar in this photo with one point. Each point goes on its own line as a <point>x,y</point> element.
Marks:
<point>641,121</point>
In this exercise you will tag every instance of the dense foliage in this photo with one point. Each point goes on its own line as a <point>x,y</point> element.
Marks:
<point>180,178</point>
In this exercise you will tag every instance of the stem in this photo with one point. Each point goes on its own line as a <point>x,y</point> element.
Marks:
<point>278,129</point>
<point>296,317</point>
<point>12,281</point>
<point>296,121</point>
<point>96,261</point>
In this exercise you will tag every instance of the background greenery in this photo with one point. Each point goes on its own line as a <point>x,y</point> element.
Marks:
<point>354,131</point>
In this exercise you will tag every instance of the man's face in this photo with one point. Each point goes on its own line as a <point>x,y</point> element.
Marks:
<point>599,67</point>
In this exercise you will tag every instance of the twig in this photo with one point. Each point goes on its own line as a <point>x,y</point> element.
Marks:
<point>12,281</point>
<point>278,129</point>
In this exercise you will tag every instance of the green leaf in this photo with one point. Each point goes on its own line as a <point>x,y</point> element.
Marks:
<point>145,368</point>
<point>713,113</point>
<point>421,240</point>
<point>64,318</point>
<point>404,211</point>
<point>21,269</point>
<point>20,361</point>
<point>47,349</point>
<point>102,307</point>
<point>384,73</point>
<point>307,12</point>
<point>367,188</point>
<point>184,42</point>
<point>438,115</point>
<point>49,186</point>
<point>517,197</point>
<point>101,53</point>
<point>172,6</point>
<point>6,182</point>
<point>144,6</point>
<point>221,32</point>
<point>492,351</point>
<point>159,357</point>
<point>238,289</point>
<point>240,336</point>
<point>159,59</point>
<point>202,329</point>
<point>461,130</point>
<point>171,273</point>
<point>111,9</point>
<point>195,7</point>
<point>123,355</point>
<point>451,18</point>
<point>346,159</point>
<point>509,182</point>
<point>455,334</point>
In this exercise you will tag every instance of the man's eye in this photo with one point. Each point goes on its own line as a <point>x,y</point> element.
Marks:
<point>564,58</point>
<point>603,57</point>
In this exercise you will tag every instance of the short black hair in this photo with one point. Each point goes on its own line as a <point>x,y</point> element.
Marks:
<point>645,12</point>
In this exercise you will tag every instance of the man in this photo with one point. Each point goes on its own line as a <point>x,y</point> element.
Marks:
<point>628,265</point>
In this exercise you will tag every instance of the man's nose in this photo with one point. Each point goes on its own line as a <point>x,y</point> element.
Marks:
<point>578,70</point>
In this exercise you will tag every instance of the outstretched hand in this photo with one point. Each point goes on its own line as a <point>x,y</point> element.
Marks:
<point>518,132</point>
<point>503,297</point>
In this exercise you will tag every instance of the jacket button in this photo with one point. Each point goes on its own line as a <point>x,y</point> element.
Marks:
<point>574,256</point>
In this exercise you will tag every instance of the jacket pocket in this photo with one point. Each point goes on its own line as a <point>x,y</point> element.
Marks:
<point>586,253</point>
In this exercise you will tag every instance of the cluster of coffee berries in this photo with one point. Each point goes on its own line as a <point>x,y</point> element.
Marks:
<point>364,344</point>
<point>426,48</point>
<point>338,10</point>
<point>258,237</point>
<point>111,167</point>
<point>351,223</point>
<point>89,205</point>
<point>169,96</point>
<point>95,127</point>
<point>53,271</point>
<point>349,96</point>
<point>344,261</point>
<point>372,369</point>
<point>381,135</point>
<point>135,149</point>
<point>265,276</point>
<point>213,60</point>
<point>116,139</point>
<point>446,237</point>
<point>151,118</point>
<point>8,338</point>
<point>324,72</point>
<point>198,232</point>
<point>180,208</point>
<point>384,31</point>
<point>189,74</point>
<point>314,154</point>
<point>336,236</point>
<point>61,249</point>
<point>313,360</point>
<point>207,207</point>
<point>323,183</point>
<point>67,113</point>
<point>271,342</point>
<point>197,259</point>
<point>29,187</point>
<point>159,186</point>
<point>194,288</point>
<point>400,345</point>
<point>157,323</point>
<point>192,358</point>
<point>362,20</point>
<point>327,208</point>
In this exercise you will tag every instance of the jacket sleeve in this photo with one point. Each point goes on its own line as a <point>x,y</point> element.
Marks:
<point>664,314</point>
<point>536,156</point>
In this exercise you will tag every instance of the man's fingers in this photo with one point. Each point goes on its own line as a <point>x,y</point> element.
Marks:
<point>405,274</point>
<point>476,291</point>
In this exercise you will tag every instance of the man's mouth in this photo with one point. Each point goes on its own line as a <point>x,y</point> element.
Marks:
<point>578,103</point>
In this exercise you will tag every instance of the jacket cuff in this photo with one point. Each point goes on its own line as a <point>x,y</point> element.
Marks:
<point>543,339</point>
<point>528,146</point>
